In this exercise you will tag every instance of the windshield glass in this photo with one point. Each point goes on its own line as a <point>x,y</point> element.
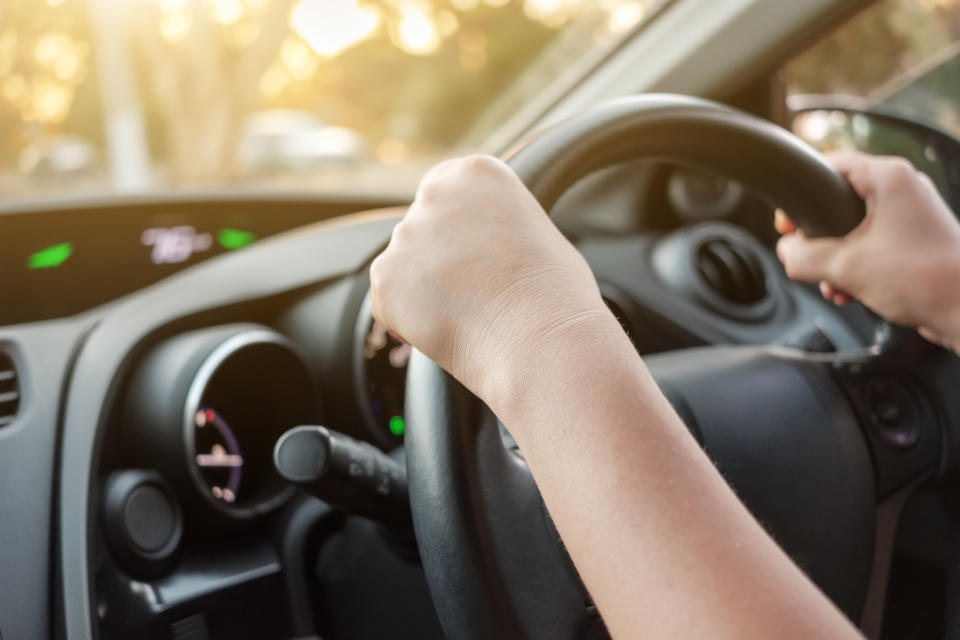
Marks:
<point>342,95</point>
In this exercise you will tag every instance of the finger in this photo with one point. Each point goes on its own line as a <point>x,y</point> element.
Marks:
<point>807,259</point>
<point>782,223</point>
<point>929,184</point>
<point>827,290</point>
<point>933,336</point>
<point>835,295</point>
<point>429,181</point>
<point>856,168</point>
<point>842,299</point>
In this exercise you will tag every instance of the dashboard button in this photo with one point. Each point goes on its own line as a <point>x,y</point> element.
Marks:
<point>142,521</point>
<point>149,518</point>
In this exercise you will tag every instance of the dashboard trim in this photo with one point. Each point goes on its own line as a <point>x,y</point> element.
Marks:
<point>287,262</point>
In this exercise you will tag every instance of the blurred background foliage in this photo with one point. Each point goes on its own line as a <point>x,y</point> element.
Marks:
<point>140,93</point>
<point>409,77</point>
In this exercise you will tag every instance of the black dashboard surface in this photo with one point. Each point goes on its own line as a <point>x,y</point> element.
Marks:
<point>47,342</point>
<point>58,262</point>
<point>307,282</point>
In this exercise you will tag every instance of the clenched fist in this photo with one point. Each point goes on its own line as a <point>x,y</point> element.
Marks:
<point>478,278</point>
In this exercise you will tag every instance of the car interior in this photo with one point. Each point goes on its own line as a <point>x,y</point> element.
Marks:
<point>204,433</point>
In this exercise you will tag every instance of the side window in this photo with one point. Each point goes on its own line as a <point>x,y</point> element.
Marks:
<point>887,83</point>
<point>902,54</point>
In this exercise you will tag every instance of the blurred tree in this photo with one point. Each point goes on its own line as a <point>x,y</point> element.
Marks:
<point>45,86</point>
<point>411,74</point>
<point>199,63</point>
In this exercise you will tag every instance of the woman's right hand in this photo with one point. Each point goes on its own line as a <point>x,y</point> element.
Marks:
<point>902,261</point>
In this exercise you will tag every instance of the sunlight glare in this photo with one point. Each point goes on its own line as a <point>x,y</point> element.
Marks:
<point>447,23</point>
<point>417,32</point>
<point>244,34</point>
<point>67,67</point>
<point>172,6</point>
<point>274,80</point>
<point>332,26</point>
<point>298,58</point>
<point>552,13</point>
<point>624,15</point>
<point>51,102</point>
<point>226,12</point>
<point>174,27</point>
<point>14,89</point>
<point>50,47</point>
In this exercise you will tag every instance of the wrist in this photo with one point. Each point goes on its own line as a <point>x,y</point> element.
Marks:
<point>945,320</point>
<point>553,360</point>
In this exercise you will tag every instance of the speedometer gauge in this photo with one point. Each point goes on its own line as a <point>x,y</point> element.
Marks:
<point>205,409</point>
<point>697,196</point>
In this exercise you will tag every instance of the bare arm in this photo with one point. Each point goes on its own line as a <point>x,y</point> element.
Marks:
<point>663,545</point>
<point>478,278</point>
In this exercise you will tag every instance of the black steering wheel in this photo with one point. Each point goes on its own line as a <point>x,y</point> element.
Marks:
<point>809,442</point>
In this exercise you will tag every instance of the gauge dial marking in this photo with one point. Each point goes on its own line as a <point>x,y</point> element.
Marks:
<point>218,457</point>
<point>223,457</point>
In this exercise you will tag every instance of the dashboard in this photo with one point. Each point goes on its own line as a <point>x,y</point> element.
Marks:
<point>56,263</point>
<point>183,371</point>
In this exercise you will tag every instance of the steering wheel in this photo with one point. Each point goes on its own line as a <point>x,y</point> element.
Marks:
<point>817,446</point>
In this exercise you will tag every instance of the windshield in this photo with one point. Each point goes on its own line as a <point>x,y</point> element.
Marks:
<point>342,95</point>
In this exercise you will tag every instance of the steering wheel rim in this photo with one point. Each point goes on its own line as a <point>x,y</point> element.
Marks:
<point>698,133</point>
<point>467,491</point>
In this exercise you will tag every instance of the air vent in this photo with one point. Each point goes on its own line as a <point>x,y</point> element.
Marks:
<point>9,390</point>
<point>732,271</point>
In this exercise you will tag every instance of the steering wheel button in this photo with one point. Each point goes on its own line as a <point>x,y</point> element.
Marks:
<point>888,413</point>
<point>890,406</point>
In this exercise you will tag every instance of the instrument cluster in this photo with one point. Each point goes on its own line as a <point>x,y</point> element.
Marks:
<point>204,409</point>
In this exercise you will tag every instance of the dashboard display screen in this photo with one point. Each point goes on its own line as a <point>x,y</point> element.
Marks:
<point>58,263</point>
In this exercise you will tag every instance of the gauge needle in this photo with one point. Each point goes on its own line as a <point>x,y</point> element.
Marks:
<point>229,460</point>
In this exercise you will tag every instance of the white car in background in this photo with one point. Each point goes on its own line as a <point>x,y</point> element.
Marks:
<point>60,157</point>
<point>282,140</point>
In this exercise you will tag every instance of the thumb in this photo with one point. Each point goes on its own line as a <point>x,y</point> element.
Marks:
<point>810,260</point>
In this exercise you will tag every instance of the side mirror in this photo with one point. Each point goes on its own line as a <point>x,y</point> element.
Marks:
<point>839,122</point>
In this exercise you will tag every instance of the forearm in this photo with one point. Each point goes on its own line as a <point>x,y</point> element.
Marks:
<point>663,545</point>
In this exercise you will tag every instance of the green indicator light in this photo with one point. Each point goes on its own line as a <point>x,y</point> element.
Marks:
<point>397,425</point>
<point>231,239</point>
<point>51,256</point>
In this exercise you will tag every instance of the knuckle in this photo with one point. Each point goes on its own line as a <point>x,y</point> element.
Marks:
<point>433,183</point>
<point>431,187</point>
<point>402,233</point>
<point>899,173</point>
<point>478,163</point>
